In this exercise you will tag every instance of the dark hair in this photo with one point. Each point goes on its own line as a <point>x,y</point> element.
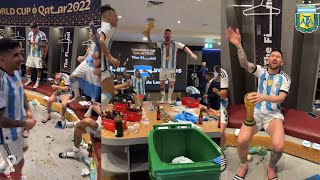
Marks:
<point>209,73</point>
<point>277,50</point>
<point>6,44</point>
<point>137,70</point>
<point>105,9</point>
<point>167,30</point>
<point>33,25</point>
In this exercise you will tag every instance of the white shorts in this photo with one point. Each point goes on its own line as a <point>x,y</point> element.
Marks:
<point>168,74</point>
<point>34,62</point>
<point>224,115</point>
<point>96,133</point>
<point>263,118</point>
<point>15,149</point>
<point>81,70</point>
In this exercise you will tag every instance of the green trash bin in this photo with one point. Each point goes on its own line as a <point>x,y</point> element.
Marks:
<point>167,144</point>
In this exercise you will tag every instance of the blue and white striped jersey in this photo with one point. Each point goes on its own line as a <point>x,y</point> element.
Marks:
<point>169,53</point>
<point>107,30</point>
<point>139,84</point>
<point>224,84</point>
<point>35,50</point>
<point>271,85</point>
<point>12,100</point>
<point>192,90</point>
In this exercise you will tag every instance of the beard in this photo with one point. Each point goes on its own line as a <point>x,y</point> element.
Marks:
<point>274,67</point>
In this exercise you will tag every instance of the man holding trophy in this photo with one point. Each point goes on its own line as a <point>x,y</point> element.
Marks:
<point>263,106</point>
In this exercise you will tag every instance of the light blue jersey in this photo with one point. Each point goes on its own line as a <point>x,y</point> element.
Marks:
<point>192,90</point>
<point>35,50</point>
<point>169,53</point>
<point>107,30</point>
<point>12,101</point>
<point>271,85</point>
<point>224,84</point>
<point>139,84</point>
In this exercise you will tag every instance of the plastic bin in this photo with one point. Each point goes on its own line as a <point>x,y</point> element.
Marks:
<point>132,116</point>
<point>193,103</point>
<point>120,106</point>
<point>110,124</point>
<point>167,144</point>
<point>184,100</point>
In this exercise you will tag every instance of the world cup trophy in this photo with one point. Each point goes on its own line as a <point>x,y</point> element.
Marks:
<point>149,27</point>
<point>250,108</point>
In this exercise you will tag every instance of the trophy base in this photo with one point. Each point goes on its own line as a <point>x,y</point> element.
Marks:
<point>249,122</point>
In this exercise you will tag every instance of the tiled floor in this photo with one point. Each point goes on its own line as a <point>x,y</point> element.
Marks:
<point>289,167</point>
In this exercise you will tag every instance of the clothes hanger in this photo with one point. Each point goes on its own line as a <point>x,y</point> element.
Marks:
<point>87,43</point>
<point>18,38</point>
<point>259,14</point>
<point>64,41</point>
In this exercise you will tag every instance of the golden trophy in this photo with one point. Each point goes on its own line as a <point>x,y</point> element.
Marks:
<point>149,27</point>
<point>250,108</point>
<point>62,84</point>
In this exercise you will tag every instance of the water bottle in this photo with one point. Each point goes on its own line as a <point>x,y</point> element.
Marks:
<point>151,107</point>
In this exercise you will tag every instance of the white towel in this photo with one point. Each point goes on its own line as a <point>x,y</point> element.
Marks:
<point>181,160</point>
<point>85,103</point>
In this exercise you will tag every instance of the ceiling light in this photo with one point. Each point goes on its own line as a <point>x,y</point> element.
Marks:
<point>119,17</point>
<point>219,43</point>
<point>179,22</point>
<point>199,0</point>
<point>145,39</point>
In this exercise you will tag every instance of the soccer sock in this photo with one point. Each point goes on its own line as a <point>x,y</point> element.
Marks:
<point>170,92</point>
<point>29,78</point>
<point>75,88</point>
<point>105,100</point>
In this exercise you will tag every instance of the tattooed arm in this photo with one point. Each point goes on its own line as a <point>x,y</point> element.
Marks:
<point>244,63</point>
<point>234,37</point>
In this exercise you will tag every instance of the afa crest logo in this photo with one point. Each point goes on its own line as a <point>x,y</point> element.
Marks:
<point>306,20</point>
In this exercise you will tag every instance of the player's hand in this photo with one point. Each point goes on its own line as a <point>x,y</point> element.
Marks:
<point>55,87</point>
<point>215,90</point>
<point>97,108</point>
<point>29,124</point>
<point>80,58</point>
<point>233,36</point>
<point>255,98</point>
<point>115,62</point>
<point>125,63</point>
<point>96,63</point>
<point>29,114</point>
<point>205,96</point>
<point>194,57</point>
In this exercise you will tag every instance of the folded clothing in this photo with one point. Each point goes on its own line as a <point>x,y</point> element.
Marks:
<point>185,116</point>
<point>181,160</point>
<point>85,103</point>
<point>217,160</point>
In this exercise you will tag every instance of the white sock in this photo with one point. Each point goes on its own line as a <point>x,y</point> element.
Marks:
<point>29,77</point>
<point>105,100</point>
<point>170,92</point>
<point>163,94</point>
<point>38,80</point>
<point>71,124</point>
<point>75,88</point>
<point>74,153</point>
